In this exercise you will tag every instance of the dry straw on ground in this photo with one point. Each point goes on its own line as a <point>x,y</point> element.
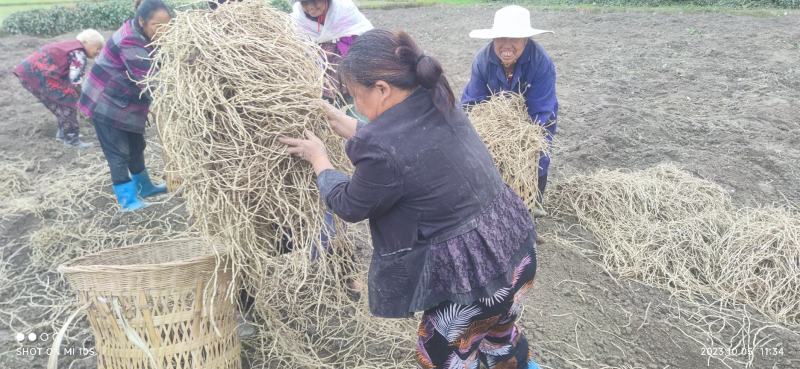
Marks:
<point>16,177</point>
<point>66,212</point>
<point>735,329</point>
<point>16,185</point>
<point>670,229</point>
<point>229,83</point>
<point>514,141</point>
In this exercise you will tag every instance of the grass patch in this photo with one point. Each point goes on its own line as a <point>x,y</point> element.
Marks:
<point>6,10</point>
<point>8,7</point>
<point>56,19</point>
<point>34,2</point>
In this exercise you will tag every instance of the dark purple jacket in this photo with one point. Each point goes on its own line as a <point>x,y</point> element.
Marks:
<point>420,178</point>
<point>113,93</point>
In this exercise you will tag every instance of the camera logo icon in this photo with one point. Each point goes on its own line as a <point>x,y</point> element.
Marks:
<point>31,337</point>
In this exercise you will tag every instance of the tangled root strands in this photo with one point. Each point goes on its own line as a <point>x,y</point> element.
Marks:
<point>229,83</point>
<point>670,229</point>
<point>514,141</point>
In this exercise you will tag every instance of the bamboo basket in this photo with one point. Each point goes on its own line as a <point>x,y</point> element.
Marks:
<point>157,305</point>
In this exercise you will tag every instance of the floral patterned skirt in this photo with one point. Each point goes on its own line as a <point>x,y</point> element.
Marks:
<point>481,261</point>
<point>462,336</point>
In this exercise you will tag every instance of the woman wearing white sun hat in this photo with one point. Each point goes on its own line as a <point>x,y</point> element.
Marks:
<point>512,61</point>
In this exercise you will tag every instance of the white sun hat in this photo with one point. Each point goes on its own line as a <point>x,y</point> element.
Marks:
<point>512,21</point>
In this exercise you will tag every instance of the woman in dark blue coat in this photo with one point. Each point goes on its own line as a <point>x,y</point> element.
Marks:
<point>450,238</point>
<point>514,62</point>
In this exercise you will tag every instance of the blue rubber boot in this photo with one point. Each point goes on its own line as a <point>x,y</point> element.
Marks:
<point>146,188</point>
<point>532,365</point>
<point>126,196</point>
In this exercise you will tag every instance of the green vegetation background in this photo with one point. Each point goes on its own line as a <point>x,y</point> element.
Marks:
<point>54,17</point>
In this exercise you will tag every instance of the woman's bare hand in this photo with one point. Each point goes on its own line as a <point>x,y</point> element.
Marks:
<point>343,125</point>
<point>310,149</point>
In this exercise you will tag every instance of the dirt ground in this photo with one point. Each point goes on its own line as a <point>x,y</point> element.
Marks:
<point>717,94</point>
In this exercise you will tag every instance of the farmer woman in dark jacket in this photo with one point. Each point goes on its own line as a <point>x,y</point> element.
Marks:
<point>53,74</point>
<point>450,238</point>
<point>114,100</point>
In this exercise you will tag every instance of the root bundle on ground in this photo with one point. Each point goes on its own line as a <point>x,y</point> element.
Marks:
<point>229,83</point>
<point>72,213</point>
<point>15,179</point>
<point>671,229</point>
<point>514,141</point>
<point>16,185</point>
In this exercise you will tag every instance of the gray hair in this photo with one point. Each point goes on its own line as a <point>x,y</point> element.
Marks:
<point>90,36</point>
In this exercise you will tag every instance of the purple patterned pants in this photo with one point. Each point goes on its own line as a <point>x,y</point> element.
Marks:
<point>66,116</point>
<point>462,336</point>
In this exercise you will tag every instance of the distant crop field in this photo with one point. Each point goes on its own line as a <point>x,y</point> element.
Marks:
<point>10,6</point>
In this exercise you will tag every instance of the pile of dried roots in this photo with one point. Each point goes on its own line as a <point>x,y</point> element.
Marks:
<point>670,229</point>
<point>514,141</point>
<point>54,215</point>
<point>229,83</point>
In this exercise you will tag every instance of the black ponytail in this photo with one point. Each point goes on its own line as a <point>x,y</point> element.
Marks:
<point>381,55</point>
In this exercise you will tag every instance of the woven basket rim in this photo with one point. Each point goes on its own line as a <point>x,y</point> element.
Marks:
<point>70,266</point>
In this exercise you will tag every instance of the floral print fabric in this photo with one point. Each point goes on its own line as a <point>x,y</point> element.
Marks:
<point>463,336</point>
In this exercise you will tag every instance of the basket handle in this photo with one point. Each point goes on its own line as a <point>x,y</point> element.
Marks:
<point>52,361</point>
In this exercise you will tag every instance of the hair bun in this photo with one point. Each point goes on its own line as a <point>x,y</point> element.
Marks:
<point>428,71</point>
<point>393,57</point>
